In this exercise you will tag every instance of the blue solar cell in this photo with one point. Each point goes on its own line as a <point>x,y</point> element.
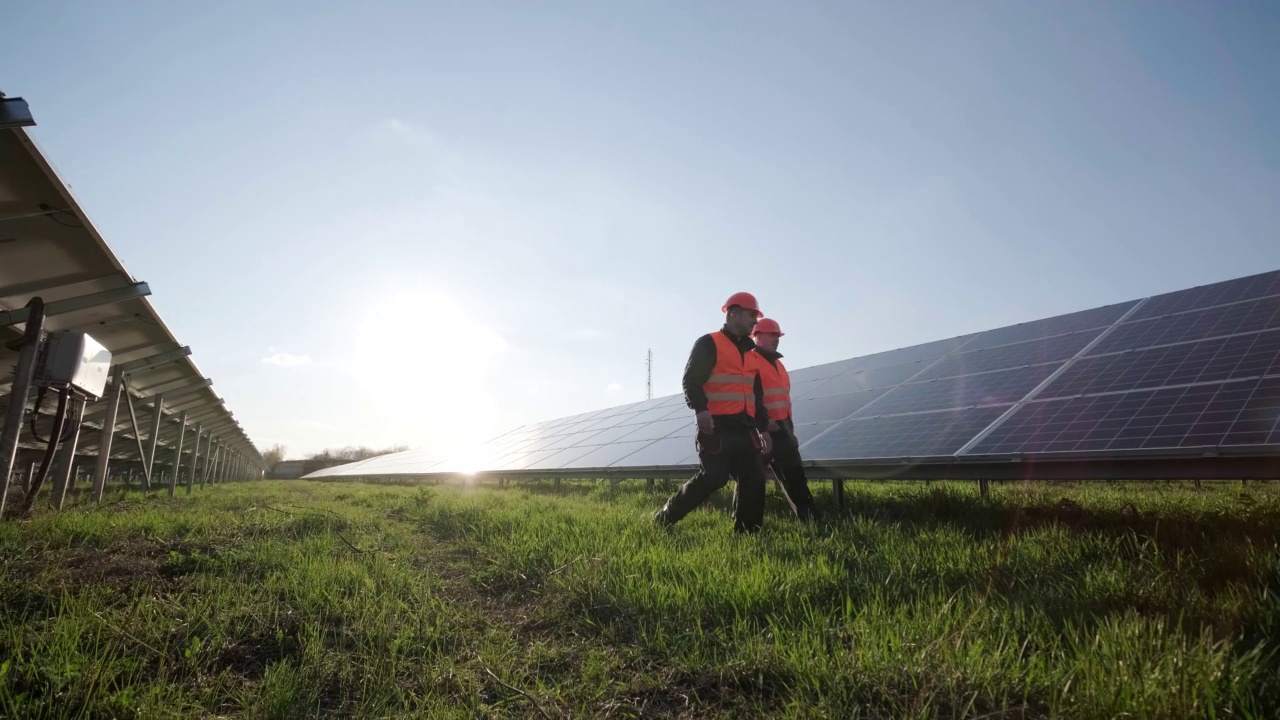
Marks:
<point>608,435</point>
<point>822,372</point>
<point>995,388</point>
<point>920,435</point>
<point>672,451</point>
<point>835,407</point>
<point>662,428</point>
<point>803,389</point>
<point>1035,352</point>
<point>658,411</point>
<point>1074,322</point>
<point>912,354</point>
<point>1242,317</point>
<point>857,380</point>
<point>1228,358</point>
<point>603,456</point>
<point>1221,293</point>
<point>808,431</point>
<point>559,459</point>
<point>1218,414</point>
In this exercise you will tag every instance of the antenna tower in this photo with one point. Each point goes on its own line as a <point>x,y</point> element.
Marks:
<point>648,382</point>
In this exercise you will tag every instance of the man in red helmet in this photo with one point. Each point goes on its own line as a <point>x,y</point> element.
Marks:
<point>776,383</point>
<point>722,387</point>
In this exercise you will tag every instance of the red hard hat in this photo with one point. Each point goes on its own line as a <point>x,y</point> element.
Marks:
<point>742,299</point>
<point>767,325</point>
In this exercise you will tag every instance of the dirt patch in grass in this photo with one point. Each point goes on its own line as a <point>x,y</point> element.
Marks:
<point>249,656</point>
<point>132,563</point>
<point>690,695</point>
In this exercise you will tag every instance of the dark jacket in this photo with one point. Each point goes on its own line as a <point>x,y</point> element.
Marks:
<point>702,359</point>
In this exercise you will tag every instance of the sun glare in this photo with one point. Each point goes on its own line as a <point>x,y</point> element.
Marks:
<point>423,363</point>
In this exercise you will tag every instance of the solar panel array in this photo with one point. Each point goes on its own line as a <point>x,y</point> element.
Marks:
<point>50,250</point>
<point>1197,368</point>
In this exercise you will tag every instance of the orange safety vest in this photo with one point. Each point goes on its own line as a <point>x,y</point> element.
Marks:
<point>777,387</point>
<point>731,388</point>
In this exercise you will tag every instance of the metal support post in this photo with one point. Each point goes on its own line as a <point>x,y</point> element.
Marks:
<point>195,458</point>
<point>31,477</point>
<point>837,487</point>
<point>108,433</point>
<point>177,454</point>
<point>154,440</point>
<point>984,487</point>
<point>66,458</point>
<point>218,461</point>
<point>208,459</point>
<point>17,412</point>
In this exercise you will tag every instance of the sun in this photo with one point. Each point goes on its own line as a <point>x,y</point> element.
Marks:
<point>423,362</point>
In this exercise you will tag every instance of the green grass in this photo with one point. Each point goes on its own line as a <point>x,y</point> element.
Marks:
<point>295,599</point>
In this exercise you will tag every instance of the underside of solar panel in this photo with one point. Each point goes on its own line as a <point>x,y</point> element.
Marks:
<point>1180,385</point>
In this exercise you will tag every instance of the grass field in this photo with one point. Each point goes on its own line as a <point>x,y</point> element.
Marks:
<point>294,599</point>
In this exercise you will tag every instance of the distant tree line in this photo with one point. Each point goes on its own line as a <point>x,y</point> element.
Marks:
<point>353,453</point>
<point>350,453</point>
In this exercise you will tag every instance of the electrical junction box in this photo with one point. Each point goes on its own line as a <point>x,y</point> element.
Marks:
<point>74,359</point>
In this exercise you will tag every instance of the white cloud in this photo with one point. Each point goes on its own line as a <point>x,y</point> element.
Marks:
<point>612,388</point>
<point>287,360</point>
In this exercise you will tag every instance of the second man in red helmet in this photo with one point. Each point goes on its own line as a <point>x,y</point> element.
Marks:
<point>776,383</point>
<point>722,386</point>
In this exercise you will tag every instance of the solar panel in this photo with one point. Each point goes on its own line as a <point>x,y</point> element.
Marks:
<point>915,353</point>
<point>1061,325</point>
<point>1196,371</point>
<point>983,389</point>
<point>668,452</point>
<point>916,435</point>
<point>1228,358</point>
<point>1234,319</point>
<point>602,456</point>
<point>1035,352</point>
<point>856,380</point>
<point>835,407</point>
<point>662,428</point>
<point>1245,288</point>
<point>1219,414</point>
<point>808,431</point>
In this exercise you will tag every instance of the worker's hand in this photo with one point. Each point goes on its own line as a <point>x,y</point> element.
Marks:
<point>766,444</point>
<point>773,426</point>
<point>706,425</point>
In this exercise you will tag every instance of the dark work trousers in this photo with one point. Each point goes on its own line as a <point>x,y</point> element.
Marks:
<point>786,465</point>
<point>725,454</point>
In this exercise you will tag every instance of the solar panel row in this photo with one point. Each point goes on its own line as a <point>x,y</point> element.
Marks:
<point>1198,368</point>
<point>1218,414</point>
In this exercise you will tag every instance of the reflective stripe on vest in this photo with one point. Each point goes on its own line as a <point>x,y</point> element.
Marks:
<point>777,387</point>
<point>731,387</point>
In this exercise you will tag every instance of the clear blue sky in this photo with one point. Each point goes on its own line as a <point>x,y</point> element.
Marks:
<point>421,222</point>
